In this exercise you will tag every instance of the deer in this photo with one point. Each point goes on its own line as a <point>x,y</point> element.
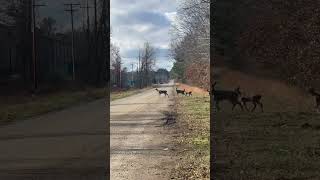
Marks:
<point>229,95</point>
<point>180,91</point>
<point>162,92</point>
<point>189,93</point>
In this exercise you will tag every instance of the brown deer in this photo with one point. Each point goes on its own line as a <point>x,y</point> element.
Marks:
<point>317,97</point>
<point>162,92</point>
<point>231,96</point>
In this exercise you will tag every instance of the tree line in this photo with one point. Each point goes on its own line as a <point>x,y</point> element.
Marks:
<point>52,48</point>
<point>279,36</point>
<point>190,44</point>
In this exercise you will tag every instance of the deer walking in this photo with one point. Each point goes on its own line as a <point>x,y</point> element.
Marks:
<point>231,96</point>
<point>180,91</point>
<point>162,92</point>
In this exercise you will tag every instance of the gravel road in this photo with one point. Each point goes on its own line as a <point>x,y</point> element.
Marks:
<point>140,143</point>
<point>65,145</point>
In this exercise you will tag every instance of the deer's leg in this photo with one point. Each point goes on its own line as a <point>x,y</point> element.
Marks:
<point>245,105</point>
<point>261,106</point>
<point>254,106</point>
<point>233,106</point>
<point>239,103</point>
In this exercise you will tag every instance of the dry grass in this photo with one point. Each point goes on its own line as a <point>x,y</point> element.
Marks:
<point>281,143</point>
<point>193,116</point>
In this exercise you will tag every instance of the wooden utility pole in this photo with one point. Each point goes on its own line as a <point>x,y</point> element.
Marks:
<point>95,18</point>
<point>120,78</point>
<point>34,54</point>
<point>95,32</point>
<point>87,7</point>
<point>72,10</point>
<point>132,74</point>
<point>140,79</point>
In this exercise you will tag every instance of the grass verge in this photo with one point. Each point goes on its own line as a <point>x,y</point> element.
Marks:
<point>193,118</point>
<point>16,108</point>
<point>23,107</point>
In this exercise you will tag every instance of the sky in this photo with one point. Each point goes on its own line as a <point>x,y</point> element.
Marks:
<point>134,22</point>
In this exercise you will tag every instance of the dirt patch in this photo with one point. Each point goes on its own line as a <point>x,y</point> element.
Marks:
<point>170,118</point>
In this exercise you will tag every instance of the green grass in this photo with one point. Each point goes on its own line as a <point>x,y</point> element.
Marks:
<point>193,116</point>
<point>23,107</point>
<point>280,144</point>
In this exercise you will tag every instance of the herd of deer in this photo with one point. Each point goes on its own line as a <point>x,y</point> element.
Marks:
<point>183,92</point>
<point>234,98</point>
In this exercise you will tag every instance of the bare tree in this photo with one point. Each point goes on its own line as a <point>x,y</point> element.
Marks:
<point>116,61</point>
<point>191,41</point>
<point>147,62</point>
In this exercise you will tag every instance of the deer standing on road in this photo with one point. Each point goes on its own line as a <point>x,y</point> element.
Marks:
<point>162,92</point>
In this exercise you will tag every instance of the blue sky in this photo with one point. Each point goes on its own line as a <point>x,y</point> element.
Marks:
<point>134,22</point>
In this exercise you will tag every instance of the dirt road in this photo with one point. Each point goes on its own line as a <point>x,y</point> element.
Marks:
<point>64,145</point>
<point>140,144</point>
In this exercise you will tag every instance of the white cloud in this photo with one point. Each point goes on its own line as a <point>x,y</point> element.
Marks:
<point>142,28</point>
<point>134,22</point>
<point>171,16</point>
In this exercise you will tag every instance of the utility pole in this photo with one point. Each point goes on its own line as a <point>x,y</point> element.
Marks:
<point>120,77</point>
<point>72,10</point>
<point>137,76</point>
<point>95,19</point>
<point>87,7</point>
<point>95,32</point>
<point>132,74</point>
<point>34,54</point>
<point>140,79</point>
